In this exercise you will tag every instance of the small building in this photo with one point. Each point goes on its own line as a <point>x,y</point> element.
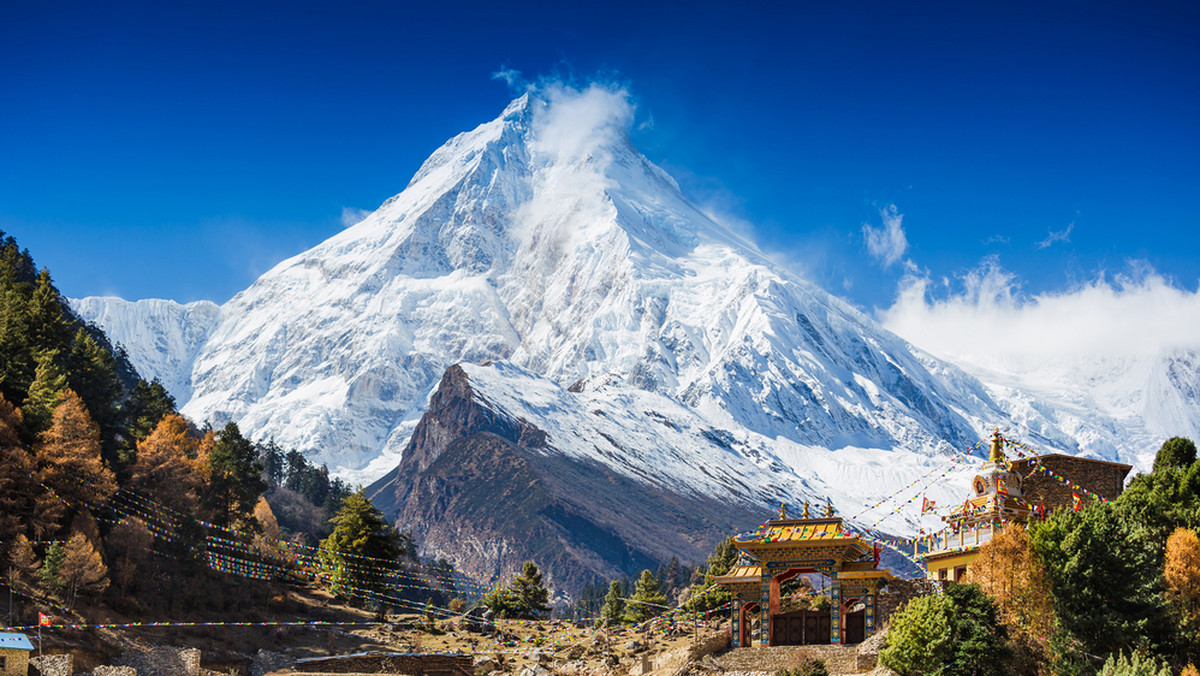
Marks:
<point>785,548</point>
<point>14,654</point>
<point>1007,492</point>
<point>1106,479</point>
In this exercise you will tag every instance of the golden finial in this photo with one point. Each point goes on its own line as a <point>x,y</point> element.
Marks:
<point>997,455</point>
<point>828,507</point>
<point>782,511</point>
<point>806,509</point>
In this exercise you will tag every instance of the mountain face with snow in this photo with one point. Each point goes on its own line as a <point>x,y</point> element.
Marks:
<point>643,338</point>
<point>162,337</point>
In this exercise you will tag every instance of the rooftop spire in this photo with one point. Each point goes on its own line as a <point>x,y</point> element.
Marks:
<point>997,455</point>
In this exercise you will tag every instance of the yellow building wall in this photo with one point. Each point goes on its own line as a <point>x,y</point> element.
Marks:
<point>16,662</point>
<point>948,564</point>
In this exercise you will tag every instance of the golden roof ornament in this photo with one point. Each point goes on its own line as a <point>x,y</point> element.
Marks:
<point>997,455</point>
<point>828,508</point>
<point>782,511</point>
<point>806,509</point>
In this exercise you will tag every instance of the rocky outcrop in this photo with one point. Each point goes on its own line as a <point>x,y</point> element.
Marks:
<point>487,491</point>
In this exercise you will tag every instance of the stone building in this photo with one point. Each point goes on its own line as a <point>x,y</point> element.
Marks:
<point>14,654</point>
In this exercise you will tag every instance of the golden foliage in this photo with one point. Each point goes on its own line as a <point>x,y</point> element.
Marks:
<point>1190,670</point>
<point>1181,571</point>
<point>1009,571</point>
<point>168,466</point>
<point>82,570</point>
<point>69,455</point>
<point>266,518</point>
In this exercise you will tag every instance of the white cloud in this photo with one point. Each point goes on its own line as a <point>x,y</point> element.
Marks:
<point>1140,313</point>
<point>511,77</point>
<point>887,244</point>
<point>353,216</point>
<point>577,124</point>
<point>1053,237</point>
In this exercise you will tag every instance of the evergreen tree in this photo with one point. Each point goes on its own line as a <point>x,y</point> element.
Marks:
<point>235,478</point>
<point>50,567</point>
<point>647,601</point>
<point>50,327</point>
<point>361,551</point>
<point>1176,452</point>
<point>69,455</point>
<point>92,374</point>
<point>706,595</point>
<point>613,610</point>
<point>1135,664</point>
<point>45,393</point>
<point>271,456</point>
<point>523,598</point>
<point>919,641</point>
<point>82,570</point>
<point>148,404</point>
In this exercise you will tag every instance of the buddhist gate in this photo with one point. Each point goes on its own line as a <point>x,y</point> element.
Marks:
<point>785,548</point>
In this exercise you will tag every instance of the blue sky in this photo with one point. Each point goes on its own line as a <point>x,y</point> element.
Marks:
<point>179,150</point>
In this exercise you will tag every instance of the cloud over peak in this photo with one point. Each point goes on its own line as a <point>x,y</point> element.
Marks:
<point>887,244</point>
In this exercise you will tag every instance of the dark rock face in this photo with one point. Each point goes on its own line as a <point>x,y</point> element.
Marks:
<point>487,492</point>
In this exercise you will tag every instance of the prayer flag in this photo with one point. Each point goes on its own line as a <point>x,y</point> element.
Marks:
<point>45,620</point>
<point>927,505</point>
<point>1078,502</point>
<point>1001,489</point>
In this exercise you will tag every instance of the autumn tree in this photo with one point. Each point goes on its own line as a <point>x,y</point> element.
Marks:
<point>1182,577</point>
<point>167,465</point>
<point>82,570</point>
<point>266,519</point>
<point>1010,572</point>
<point>69,455</point>
<point>22,562</point>
<point>24,505</point>
<point>647,601</point>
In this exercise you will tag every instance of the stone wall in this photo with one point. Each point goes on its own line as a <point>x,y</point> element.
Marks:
<point>114,671</point>
<point>417,665</point>
<point>1103,478</point>
<point>52,665</point>
<point>898,593</point>
<point>163,662</point>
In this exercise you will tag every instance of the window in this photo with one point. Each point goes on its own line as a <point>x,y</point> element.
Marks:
<point>942,574</point>
<point>960,573</point>
<point>3,662</point>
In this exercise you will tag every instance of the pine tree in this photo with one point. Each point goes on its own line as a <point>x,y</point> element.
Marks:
<point>647,601</point>
<point>525,597</point>
<point>48,573</point>
<point>92,374</point>
<point>361,551</point>
<point>613,610</point>
<point>45,393</point>
<point>69,455</point>
<point>235,478</point>
<point>148,404</point>
<point>82,570</point>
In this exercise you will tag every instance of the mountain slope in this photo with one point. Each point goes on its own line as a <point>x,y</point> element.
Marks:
<point>544,240</point>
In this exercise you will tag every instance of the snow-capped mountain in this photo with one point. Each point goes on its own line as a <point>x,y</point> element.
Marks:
<point>162,337</point>
<point>545,240</point>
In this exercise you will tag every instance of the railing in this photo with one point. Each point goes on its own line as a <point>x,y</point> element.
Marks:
<point>949,540</point>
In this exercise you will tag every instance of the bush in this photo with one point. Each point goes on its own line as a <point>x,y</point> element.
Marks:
<point>958,632</point>
<point>1134,665</point>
